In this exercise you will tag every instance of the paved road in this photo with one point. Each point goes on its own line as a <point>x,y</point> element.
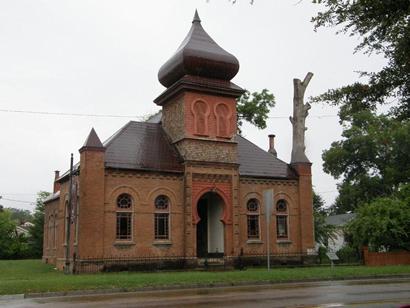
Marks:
<point>353,293</point>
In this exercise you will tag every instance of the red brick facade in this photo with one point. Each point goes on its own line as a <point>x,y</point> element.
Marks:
<point>93,233</point>
<point>206,199</point>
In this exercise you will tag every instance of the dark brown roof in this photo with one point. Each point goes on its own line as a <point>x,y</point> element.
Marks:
<point>198,55</point>
<point>255,162</point>
<point>143,146</point>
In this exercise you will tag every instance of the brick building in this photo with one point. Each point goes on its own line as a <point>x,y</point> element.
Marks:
<point>183,185</point>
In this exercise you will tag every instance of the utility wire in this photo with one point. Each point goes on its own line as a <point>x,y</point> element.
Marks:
<point>70,114</point>
<point>124,116</point>
<point>18,201</point>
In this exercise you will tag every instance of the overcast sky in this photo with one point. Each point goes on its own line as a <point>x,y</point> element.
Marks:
<point>102,57</point>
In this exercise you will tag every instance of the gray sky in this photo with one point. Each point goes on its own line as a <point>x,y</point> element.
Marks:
<point>102,57</point>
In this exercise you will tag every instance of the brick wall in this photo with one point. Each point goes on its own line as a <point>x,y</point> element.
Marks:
<point>204,150</point>
<point>173,114</point>
<point>385,258</point>
<point>283,189</point>
<point>143,187</point>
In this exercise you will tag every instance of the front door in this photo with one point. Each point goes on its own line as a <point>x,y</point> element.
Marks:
<point>202,229</point>
<point>210,229</point>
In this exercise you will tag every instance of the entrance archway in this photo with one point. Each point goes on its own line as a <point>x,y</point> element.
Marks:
<point>210,228</point>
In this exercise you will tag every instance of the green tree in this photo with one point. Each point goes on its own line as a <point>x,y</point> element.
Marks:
<point>382,224</point>
<point>12,245</point>
<point>37,231</point>
<point>20,216</point>
<point>254,108</point>
<point>323,231</point>
<point>372,159</point>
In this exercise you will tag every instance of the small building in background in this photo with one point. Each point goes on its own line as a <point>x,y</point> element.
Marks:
<point>339,222</point>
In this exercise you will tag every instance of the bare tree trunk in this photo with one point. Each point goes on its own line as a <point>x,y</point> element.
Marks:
<point>300,112</point>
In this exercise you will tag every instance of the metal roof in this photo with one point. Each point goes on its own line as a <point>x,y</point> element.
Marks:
<point>254,161</point>
<point>198,55</point>
<point>340,220</point>
<point>143,146</point>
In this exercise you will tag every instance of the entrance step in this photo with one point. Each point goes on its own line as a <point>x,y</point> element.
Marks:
<point>213,264</point>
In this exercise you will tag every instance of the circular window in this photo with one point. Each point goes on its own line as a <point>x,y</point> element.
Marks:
<point>161,202</point>
<point>252,205</point>
<point>281,206</point>
<point>124,201</point>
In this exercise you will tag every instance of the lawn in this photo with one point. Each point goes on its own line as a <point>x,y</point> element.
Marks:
<point>31,276</point>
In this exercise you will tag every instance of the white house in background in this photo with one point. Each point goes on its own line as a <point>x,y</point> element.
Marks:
<point>23,229</point>
<point>339,222</point>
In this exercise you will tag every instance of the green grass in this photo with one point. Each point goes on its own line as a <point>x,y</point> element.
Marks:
<point>31,276</point>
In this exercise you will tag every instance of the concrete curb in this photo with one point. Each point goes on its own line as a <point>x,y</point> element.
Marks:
<point>187,287</point>
<point>11,297</point>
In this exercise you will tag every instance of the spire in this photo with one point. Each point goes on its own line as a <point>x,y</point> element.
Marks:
<point>92,142</point>
<point>196,18</point>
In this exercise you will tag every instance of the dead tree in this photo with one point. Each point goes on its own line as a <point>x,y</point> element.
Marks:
<point>300,112</point>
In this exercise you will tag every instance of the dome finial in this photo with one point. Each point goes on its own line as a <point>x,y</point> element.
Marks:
<point>196,17</point>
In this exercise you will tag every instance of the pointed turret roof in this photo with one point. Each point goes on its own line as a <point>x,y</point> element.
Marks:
<point>198,55</point>
<point>92,142</point>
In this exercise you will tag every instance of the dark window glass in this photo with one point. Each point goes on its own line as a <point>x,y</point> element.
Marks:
<point>123,226</point>
<point>253,226</point>
<point>124,201</point>
<point>252,205</point>
<point>281,206</point>
<point>161,226</point>
<point>161,202</point>
<point>282,226</point>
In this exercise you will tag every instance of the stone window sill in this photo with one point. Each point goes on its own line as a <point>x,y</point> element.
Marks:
<point>284,241</point>
<point>255,241</point>
<point>162,243</point>
<point>124,243</point>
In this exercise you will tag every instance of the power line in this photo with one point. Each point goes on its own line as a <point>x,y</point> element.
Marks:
<point>70,114</point>
<point>18,201</point>
<point>124,116</point>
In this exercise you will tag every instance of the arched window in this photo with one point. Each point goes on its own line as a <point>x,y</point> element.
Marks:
<point>222,120</point>
<point>252,208</point>
<point>124,217</point>
<point>46,227</point>
<point>50,232</point>
<point>161,217</point>
<point>282,219</point>
<point>55,230</point>
<point>66,222</point>
<point>200,110</point>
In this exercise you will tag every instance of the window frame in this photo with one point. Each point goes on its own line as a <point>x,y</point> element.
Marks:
<point>251,215</point>
<point>120,213</point>
<point>282,217</point>
<point>165,214</point>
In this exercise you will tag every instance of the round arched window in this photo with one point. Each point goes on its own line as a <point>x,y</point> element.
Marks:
<point>124,201</point>
<point>281,206</point>
<point>161,202</point>
<point>252,205</point>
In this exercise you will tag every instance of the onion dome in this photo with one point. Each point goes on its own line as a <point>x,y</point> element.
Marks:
<point>198,55</point>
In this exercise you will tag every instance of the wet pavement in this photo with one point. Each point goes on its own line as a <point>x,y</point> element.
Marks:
<point>393,292</point>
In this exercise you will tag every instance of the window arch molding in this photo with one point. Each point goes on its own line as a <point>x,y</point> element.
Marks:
<point>201,117</point>
<point>153,194</point>
<point>226,119</point>
<point>123,189</point>
<point>285,196</point>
